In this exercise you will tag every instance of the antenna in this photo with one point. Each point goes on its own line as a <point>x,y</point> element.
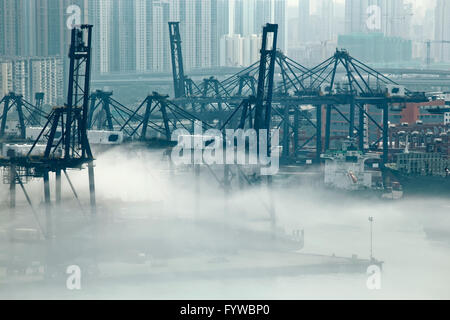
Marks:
<point>371,238</point>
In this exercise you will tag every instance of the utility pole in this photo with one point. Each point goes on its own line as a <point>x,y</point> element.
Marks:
<point>371,238</point>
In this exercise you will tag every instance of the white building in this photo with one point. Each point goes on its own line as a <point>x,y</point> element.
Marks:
<point>198,27</point>
<point>279,17</point>
<point>251,15</point>
<point>6,84</point>
<point>114,35</point>
<point>142,34</point>
<point>303,21</point>
<point>238,51</point>
<point>442,30</point>
<point>101,16</point>
<point>252,47</point>
<point>47,77</point>
<point>28,75</point>
<point>244,17</point>
<point>126,36</point>
<point>231,51</point>
<point>159,57</point>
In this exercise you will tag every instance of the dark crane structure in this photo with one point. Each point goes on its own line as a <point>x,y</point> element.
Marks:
<point>161,116</point>
<point>302,102</point>
<point>106,113</point>
<point>27,114</point>
<point>299,97</point>
<point>99,115</point>
<point>156,113</point>
<point>339,81</point>
<point>39,101</point>
<point>360,85</point>
<point>257,107</point>
<point>63,138</point>
<point>179,79</point>
<point>242,101</point>
<point>214,103</point>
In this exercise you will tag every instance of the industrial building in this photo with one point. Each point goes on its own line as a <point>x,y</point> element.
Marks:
<point>377,48</point>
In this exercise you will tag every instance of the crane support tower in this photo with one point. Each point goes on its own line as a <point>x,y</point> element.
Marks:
<point>177,59</point>
<point>62,143</point>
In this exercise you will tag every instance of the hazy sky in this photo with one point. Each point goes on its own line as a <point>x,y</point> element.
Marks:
<point>417,3</point>
<point>419,6</point>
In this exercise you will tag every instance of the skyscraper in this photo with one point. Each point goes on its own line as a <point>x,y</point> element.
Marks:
<point>223,17</point>
<point>396,18</point>
<point>43,25</point>
<point>188,23</point>
<point>391,17</point>
<point>28,75</point>
<point>101,16</point>
<point>11,27</point>
<point>244,17</point>
<point>237,16</point>
<point>303,20</point>
<point>356,16</point>
<point>159,38</point>
<point>142,7</point>
<point>252,15</point>
<point>327,20</point>
<point>215,39</point>
<point>130,35</point>
<point>279,17</point>
<point>126,35</point>
<point>263,14</point>
<point>442,30</point>
<point>37,28</point>
<point>238,51</point>
<point>133,35</point>
<point>198,24</point>
<point>114,35</point>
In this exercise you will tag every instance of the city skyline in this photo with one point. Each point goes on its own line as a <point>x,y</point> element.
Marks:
<point>27,21</point>
<point>133,37</point>
<point>226,150</point>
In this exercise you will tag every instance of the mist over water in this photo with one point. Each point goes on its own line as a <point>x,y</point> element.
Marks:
<point>145,212</point>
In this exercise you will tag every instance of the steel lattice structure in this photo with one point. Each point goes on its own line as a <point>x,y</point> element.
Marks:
<point>27,113</point>
<point>301,101</point>
<point>64,136</point>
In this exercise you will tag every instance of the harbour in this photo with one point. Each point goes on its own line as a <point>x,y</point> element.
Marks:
<point>274,178</point>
